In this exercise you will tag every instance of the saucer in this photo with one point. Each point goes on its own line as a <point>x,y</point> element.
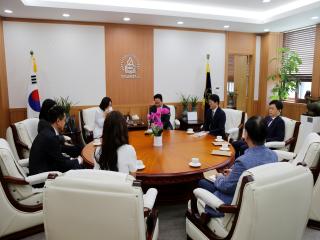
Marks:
<point>140,167</point>
<point>191,164</point>
<point>224,149</point>
<point>97,144</point>
<point>217,140</point>
<point>190,132</point>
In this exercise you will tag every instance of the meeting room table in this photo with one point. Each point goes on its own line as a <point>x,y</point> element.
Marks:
<point>167,167</point>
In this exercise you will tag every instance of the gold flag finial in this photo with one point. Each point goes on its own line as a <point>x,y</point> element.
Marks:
<point>208,57</point>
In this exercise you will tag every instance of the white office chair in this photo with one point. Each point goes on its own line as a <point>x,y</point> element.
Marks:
<point>98,205</point>
<point>271,201</point>
<point>235,120</point>
<point>175,123</point>
<point>86,122</point>
<point>290,137</point>
<point>23,133</point>
<point>21,204</point>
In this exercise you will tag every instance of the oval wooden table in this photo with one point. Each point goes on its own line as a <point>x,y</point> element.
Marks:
<point>167,167</point>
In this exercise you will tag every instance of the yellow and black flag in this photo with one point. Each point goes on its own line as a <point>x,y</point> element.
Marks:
<point>208,90</point>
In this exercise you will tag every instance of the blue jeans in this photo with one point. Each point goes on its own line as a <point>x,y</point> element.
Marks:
<point>208,185</point>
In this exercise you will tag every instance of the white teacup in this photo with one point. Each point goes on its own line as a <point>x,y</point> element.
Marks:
<point>189,130</point>
<point>219,138</point>
<point>195,160</point>
<point>149,130</point>
<point>225,145</point>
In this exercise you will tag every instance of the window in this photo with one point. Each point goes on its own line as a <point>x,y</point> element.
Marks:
<point>303,42</point>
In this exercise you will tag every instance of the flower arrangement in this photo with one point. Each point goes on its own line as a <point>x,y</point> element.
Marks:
<point>155,120</point>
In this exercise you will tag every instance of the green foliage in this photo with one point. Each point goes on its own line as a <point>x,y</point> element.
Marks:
<point>184,100</point>
<point>194,100</point>
<point>64,102</point>
<point>288,62</point>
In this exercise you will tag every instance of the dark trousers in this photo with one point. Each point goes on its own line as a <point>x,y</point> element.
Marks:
<point>239,146</point>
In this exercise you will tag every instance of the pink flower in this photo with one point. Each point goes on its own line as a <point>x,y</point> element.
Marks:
<point>165,111</point>
<point>158,124</point>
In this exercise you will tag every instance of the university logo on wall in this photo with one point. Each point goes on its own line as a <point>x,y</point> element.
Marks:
<point>130,67</point>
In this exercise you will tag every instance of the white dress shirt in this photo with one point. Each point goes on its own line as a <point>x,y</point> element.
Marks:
<point>127,159</point>
<point>98,123</point>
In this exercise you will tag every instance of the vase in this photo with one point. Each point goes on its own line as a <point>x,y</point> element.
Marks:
<point>157,141</point>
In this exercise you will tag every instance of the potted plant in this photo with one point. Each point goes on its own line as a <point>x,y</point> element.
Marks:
<point>288,63</point>
<point>194,102</point>
<point>66,103</point>
<point>184,100</point>
<point>157,125</point>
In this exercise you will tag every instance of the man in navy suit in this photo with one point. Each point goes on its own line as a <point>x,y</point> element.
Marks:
<point>165,118</point>
<point>215,117</point>
<point>275,127</point>
<point>257,154</point>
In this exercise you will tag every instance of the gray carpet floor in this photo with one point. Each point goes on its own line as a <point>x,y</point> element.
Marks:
<point>172,225</point>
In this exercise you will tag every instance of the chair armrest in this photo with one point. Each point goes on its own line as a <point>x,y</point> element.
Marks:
<point>290,140</point>
<point>24,162</point>
<point>285,155</point>
<point>14,180</point>
<point>233,131</point>
<point>208,198</point>
<point>22,145</point>
<point>40,177</point>
<point>177,122</point>
<point>149,198</point>
<point>88,128</point>
<point>275,144</point>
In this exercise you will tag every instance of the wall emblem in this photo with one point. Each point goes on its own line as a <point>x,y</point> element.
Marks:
<point>130,67</point>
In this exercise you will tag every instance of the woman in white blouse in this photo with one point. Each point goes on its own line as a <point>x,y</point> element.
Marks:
<point>115,153</point>
<point>104,108</point>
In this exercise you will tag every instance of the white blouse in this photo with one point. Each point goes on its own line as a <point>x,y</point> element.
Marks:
<point>98,123</point>
<point>127,159</point>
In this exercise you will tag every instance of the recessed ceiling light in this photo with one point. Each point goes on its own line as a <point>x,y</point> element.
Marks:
<point>266,1</point>
<point>8,11</point>
<point>266,30</point>
<point>180,22</point>
<point>226,26</point>
<point>66,15</point>
<point>126,19</point>
<point>314,17</point>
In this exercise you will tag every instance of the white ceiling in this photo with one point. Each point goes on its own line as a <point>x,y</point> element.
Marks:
<point>241,15</point>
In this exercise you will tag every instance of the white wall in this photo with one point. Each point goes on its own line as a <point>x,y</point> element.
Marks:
<point>70,58</point>
<point>257,68</point>
<point>180,63</point>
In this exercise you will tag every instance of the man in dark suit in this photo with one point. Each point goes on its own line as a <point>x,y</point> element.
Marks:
<point>165,118</point>
<point>275,127</point>
<point>215,118</point>
<point>46,154</point>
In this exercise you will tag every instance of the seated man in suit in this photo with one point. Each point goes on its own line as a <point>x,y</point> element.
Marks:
<point>165,118</point>
<point>215,117</point>
<point>275,127</point>
<point>257,154</point>
<point>46,154</point>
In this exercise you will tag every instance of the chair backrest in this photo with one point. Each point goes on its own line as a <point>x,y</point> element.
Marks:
<point>233,118</point>
<point>27,131</point>
<point>315,209</point>
<point>97,203</point>
<point>88,116</point>
<point>275,205</point>
<point>310,151</point>
<point>172,115</point>
<point>10,140</point>
<point>10,167</point>
<point>289,131</point>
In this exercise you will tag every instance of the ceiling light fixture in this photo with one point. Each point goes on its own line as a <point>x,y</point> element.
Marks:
<point>266,1</point>
<point>226,26</point>
<point>8,11</point>
<point>66,15</point>
<point>180,22</point>
<point>126,19</point>
<point>267,30</point>
<point>315,18</point>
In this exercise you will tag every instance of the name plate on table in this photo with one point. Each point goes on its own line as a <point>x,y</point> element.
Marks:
<point>192,116</point>
<point>221,153</point>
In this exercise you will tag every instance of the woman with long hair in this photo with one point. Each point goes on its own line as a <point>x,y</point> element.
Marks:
<point>104,108</point>
<point>115,153</point>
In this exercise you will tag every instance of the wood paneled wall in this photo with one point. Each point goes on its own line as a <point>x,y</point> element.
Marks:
<point>138,41</point>
<point>269,44</point>
<point>315,90</point>
<point>4,100</point>
<point>293,110</point>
